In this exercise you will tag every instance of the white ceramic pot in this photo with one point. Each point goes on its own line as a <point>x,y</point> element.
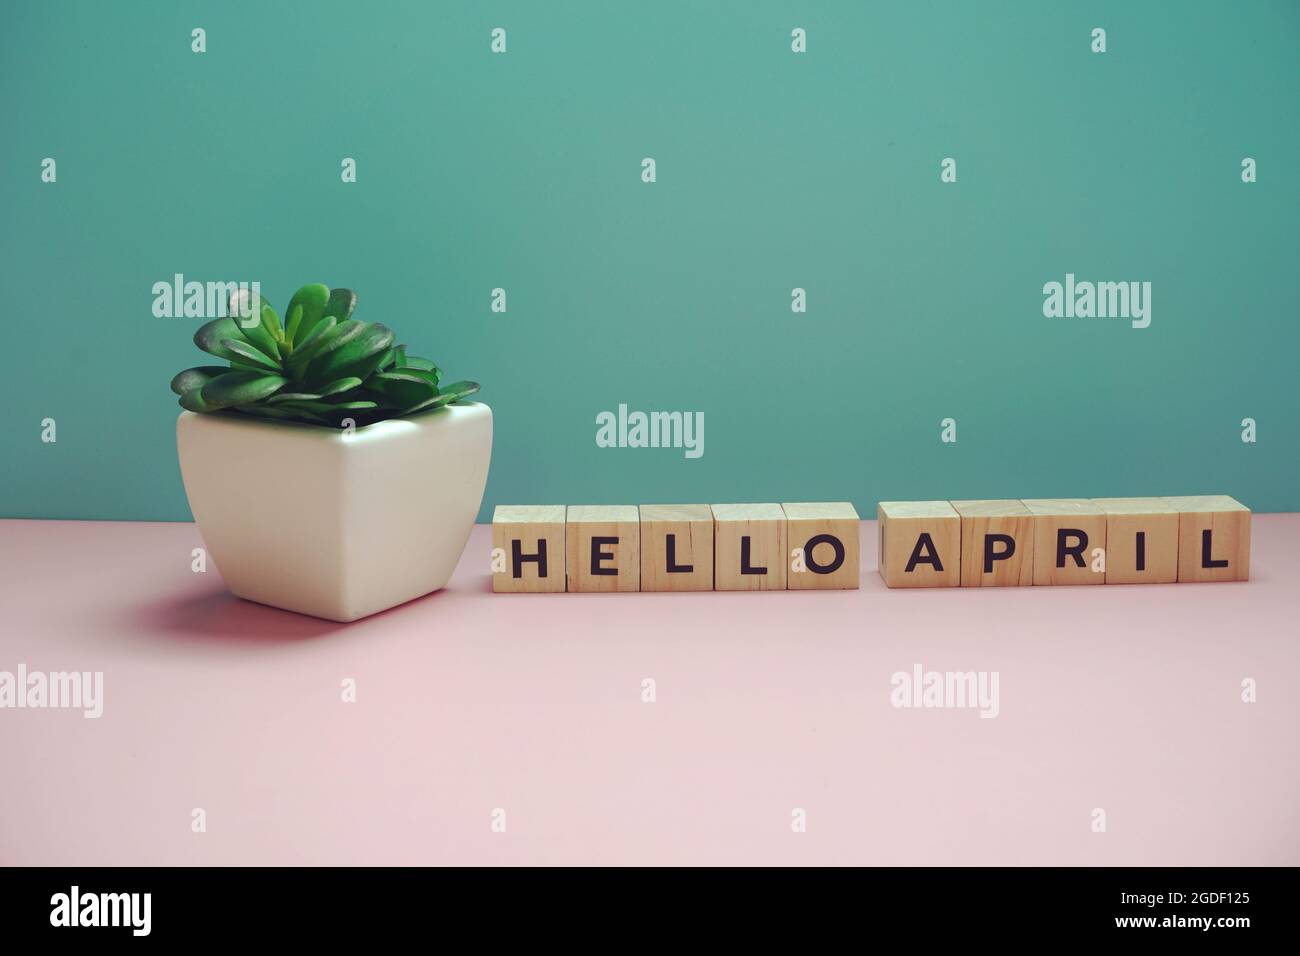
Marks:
<point>332,524</point>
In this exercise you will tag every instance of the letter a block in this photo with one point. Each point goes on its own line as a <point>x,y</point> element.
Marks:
<point>997,544</point>
<point>1141,540</point>
<point>920,544</point>
<point>826,533</point>
<point>676,548</point>
<point>749,548</point>
<point>1066,532</point>
<point>1213,538</point>
<point>603,546</point>
<point>531,543</point>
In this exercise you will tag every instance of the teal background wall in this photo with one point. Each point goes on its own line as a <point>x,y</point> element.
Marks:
<point>775,170</point>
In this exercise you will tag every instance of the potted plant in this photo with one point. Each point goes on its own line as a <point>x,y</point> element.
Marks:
<point>329,472</point>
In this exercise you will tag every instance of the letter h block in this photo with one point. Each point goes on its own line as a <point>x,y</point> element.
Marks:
<point>603,548</point>
<point>527,548</point>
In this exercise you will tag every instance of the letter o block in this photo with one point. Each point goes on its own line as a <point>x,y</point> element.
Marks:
<point>920,544</point>
<point>827,534</point>
<point>531,540</point>
<point>997,544</point>
<point>1213,538</point>
<point>603,548</point>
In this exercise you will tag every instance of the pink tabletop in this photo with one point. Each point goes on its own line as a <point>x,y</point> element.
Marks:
<point>1122,699</point>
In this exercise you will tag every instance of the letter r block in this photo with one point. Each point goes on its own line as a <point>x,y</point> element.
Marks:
<point>997,544</point>
<point>531,539</point>
<point>920,544</point>
<point>1066,532</point>
<point>826,532</point>
<point>1213,538</point>
<point>603,547</point>
<point>749,548</point>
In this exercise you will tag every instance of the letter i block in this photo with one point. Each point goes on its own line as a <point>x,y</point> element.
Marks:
<point>676,548</point>
<point>1141,540</point>
<point>997,544</point>
<point>920,544</point>
<point>1213,538</point>
<point>1066,532</point>
<point>603,547</point>
<point>527,548</point>
<point>826,535</point>
<point>749,548</point>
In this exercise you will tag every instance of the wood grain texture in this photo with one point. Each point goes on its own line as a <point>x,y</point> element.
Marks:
<point>1213,538</point>
<point>676,536</point>
<point>755,531</point>
<point>923,534</point>
<point>832,530</point>
<point>984,523</point>
<point>534,535</point>
<point>1067,532</point>
<point>603,548</point>
<point>1141,540</point>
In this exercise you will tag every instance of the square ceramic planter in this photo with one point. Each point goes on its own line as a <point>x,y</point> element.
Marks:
<point>334,524</point>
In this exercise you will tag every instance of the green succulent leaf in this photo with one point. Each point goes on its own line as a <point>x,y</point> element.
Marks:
<point>312,300</point>
<point>292,319</point>
<point>193,401</point>
<point>209,335</point>
<point>451,393</point>
<point>405,387</point>
<point>241,387</point>
<point>341,385</point>
<point>304,350</point>
<point>196,377</point>
<point>357,357</point>
<point>342,303</point>
<point>332,340</point>
<point>280,414</point>
<point>251,355</point>
<point>412,361</point>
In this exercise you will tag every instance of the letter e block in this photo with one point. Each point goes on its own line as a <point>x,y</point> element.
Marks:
<point>1213,538</point>
<point>676,548</point>
<point>532,540</point>
<point>920,544</point>
<point>1066,532</point>
<point>997,544</point>
<point>826,532</point>
<point>603,547</point>
<point>749,548</point>
<point>1141,540</point>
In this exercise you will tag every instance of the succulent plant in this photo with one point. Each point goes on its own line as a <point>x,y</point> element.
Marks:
<point>321,367</point>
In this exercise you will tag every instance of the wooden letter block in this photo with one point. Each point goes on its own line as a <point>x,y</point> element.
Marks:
<point>531,543</point>
<point>676,548</point>
<point>920,544</point>
<point>1213,538</point>
<point>1141,540</point>
<point>1066,532</point>
<point>826,533</point>
<point>749,548</point>
<point>997,544</point>
<point>603,547</point>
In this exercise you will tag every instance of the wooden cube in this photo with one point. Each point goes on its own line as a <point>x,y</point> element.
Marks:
<point>1067,535</point>
<point>749,548</point>
<point>826,536</point>
<point>603,547</point>
<point>1213,538</point>
<point>919,544</point>
<point>676,548</point>
<point>997,543</point>
<point>1141,540</point>
<point>527,548</point>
